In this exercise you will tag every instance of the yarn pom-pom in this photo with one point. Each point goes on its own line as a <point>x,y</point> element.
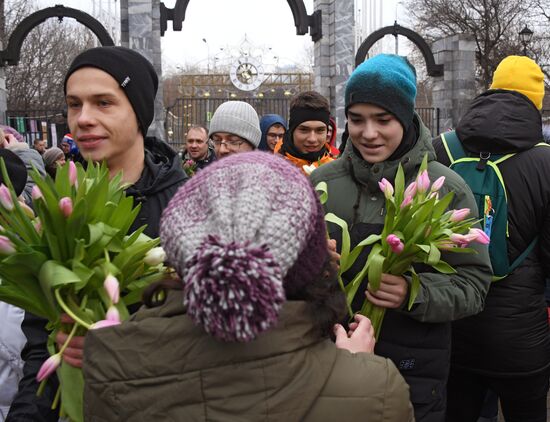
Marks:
<point>234,290</point>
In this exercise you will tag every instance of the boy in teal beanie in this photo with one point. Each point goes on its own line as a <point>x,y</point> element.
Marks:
<point>384,131</point>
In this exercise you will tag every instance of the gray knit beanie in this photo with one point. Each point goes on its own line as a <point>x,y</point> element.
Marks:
<point>238,118</point>
<point>51,155</point>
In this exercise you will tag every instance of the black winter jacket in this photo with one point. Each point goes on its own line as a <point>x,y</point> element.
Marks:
<point>510,337</point>
<point>159,181</point>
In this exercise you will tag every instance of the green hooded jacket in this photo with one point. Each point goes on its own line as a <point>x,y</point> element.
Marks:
<point>160,366</point>
<point>417,340</point>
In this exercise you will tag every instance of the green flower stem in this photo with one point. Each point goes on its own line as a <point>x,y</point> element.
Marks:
<point>41,387</point>
<point>69,338</point>
<point>56,398</point>
<point>348,305</point>
<point>69,311</point>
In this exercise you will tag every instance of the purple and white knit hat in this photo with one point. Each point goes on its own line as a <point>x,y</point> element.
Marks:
<point>243,233</point>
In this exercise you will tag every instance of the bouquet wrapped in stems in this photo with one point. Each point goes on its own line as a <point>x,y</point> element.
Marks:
<point>417,227</point>
<point>73,255</point>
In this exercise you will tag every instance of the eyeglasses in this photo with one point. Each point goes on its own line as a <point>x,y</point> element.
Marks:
<point>275,135</point>
<point>231,144</point>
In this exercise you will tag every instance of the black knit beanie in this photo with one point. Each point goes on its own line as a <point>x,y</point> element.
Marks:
<point>133,72</point>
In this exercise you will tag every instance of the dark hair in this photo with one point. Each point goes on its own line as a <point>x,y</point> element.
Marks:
<point>199,127</point>
<point>325,299</point>
<point>310,99</point>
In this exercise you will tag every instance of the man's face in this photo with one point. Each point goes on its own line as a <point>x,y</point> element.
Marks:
<point>101,118</point>
<point>40,146</point>
<point>197,144</point>
<point>374,132</point>
<point>274,134</point>
<point>310,136</point>
<point>226,144</point>
<point>65,147</point>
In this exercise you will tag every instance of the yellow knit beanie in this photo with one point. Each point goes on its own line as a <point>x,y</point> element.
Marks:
<point>521,74</point>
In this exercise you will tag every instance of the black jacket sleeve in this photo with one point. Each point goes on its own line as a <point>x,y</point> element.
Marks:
<point>26,406</point>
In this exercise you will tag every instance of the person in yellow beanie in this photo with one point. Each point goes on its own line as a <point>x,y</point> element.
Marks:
<point>506,347</point>
<point>520,74</point>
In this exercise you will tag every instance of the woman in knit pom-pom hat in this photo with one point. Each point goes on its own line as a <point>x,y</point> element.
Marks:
<point>384,131</point>
<point>246,335</point>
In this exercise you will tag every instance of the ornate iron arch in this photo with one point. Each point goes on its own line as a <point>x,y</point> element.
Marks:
<point>433,68</point>
<point>302,20</point>
<point>11,55</point>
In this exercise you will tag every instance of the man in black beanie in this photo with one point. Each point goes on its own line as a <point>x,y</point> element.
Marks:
<point>110,93</point>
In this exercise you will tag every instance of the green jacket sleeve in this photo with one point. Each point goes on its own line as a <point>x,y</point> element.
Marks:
<point>444,297</point>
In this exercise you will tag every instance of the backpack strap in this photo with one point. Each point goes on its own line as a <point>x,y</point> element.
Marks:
<point>453,146</point>
<point>524,254</point>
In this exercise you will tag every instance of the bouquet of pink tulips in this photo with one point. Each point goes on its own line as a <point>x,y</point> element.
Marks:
<point>417,226</point>
<point>72,255</point>
<point>190,167</point>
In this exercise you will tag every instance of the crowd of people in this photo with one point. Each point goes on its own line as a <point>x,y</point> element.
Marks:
<point>253,326</point>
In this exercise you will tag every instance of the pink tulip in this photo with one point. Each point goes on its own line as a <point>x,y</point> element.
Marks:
<point>37,225</point>
<point>479,236</point>
<point>5,198</point>
<point>386,187</point>
<point>423,182</point>
<point>459,215</point>
<point>395,244</point>
<point>36,193</point>
<point>111,285</point>
<point>433,195</point>
<point>73,174</point>
<point>460,240</point>
<point>411,190</point>
<point>406,202</point>
<point>103,324</point>
<point>6,247</point>
<point>66,206</point>
<point>27,210</point>
<point>48,367</point>
<point>112,314</point>
<point>438,184</point>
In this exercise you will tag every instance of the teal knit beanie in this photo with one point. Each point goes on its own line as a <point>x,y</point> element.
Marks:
<point>387,81</point>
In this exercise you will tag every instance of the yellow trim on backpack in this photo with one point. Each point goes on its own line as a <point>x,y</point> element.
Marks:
<point>444,141</point>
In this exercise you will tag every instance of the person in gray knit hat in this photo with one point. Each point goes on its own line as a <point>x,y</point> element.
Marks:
<point>234,128</point>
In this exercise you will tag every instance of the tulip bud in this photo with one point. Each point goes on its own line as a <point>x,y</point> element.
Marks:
<point>5,197</point>
<point>111,285</point>
<point>103,324</point>
<point>395,244</point>
<point>66,206</point>
<point>48,367</point>
<point>36,193</point>
<point>112,314</point>
<point>411,190</point>
<point>406,202</point>
<point>386,187</point>
<point>460,240</point>
<point>480,236</point>
<point>27,210</point>
<point>73,174</point>
<point>155,256</point>
<point>37,225</point>
<point>423,182</point>
<point>6,247</point>
<point>459,215</point>
<point>438,184</point>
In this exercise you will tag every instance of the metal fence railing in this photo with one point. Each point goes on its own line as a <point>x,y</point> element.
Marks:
<point>38,124</point>
<point>430,117</point>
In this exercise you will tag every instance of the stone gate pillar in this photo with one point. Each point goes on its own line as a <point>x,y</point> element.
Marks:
<point>335,55</point>
<point>453,91</point>
<point>140,31</point>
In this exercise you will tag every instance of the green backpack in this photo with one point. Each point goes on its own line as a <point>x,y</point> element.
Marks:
<point>483,176</point>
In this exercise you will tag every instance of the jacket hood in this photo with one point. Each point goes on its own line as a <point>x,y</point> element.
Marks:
<point>265,123</point>
<point>163,169</point>
<point>500,122</point>
<point>369,174</point>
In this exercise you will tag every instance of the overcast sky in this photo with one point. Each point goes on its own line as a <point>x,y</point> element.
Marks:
<point>268,26</point>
